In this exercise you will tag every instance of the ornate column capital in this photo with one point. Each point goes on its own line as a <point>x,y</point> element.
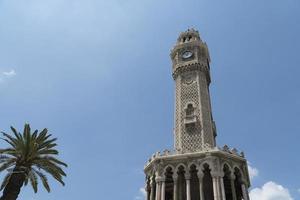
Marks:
<point>175,176</point>
<point>222,174</point>
<point>159,179</point>
<point>232,176</point>
<point>200,175</point>
<point>187,176</point>
<point>216,174</point>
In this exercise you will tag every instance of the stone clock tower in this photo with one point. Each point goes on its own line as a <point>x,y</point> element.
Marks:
<point>194,126</point>
<point>196,169</point>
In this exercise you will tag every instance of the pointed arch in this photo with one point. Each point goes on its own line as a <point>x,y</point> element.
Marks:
<point>180,165</point>
<point>227,180</point>
<point>181,171</point>
<point>238,183</point>
<point>167,167</point>
<point>205,164</point>
<point>195,187</point>
<point>207,182</point>
<point>169,182</point>
<point>225,163</point>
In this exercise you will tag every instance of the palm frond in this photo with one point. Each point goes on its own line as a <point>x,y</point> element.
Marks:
<point>50,166</point>
<point>6,159</point>
<point>18,135</point>
<point>5,181</point>
<point>48,144</point>
<point>9,139</point>
<point>48,151</point>
<point>44,180</point>
<point>7,164</point>
<point>33,180</point>
<point>42,135</point>
<point>54,160</point>
<point>54,173</point>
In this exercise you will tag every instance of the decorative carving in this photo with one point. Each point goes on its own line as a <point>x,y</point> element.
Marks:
<point>188,67</point>
<point>206,147</point>
<point>234,151</point>
<point>226,148</point>
<point>189,78</point>
<point>243,154</point>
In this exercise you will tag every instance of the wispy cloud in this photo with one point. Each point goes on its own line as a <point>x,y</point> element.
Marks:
<point>9,73</point>
<point>253,172</point>
<point>141,195</point>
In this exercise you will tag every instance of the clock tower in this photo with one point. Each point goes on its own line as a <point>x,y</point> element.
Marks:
<point>194,126</point>
<point>196,169</point>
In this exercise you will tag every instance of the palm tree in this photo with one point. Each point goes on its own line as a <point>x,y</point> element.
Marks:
<point>29,156</point>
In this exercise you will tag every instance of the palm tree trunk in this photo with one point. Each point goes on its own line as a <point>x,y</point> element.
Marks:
<point>14,185</point>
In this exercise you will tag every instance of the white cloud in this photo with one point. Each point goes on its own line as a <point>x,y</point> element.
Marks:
<point>253,172</point>
<point>142,194</point>
<point>9,74</point>
<point>270,191</point>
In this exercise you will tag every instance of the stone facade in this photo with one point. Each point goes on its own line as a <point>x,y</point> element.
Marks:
<point>196,169</point>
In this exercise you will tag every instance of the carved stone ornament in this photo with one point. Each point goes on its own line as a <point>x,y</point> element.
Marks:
<point>189,78</point>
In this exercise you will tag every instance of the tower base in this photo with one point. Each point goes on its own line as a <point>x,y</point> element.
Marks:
<point>213,174</point>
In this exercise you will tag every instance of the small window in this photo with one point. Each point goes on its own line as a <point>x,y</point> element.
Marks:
<point>190,110</point>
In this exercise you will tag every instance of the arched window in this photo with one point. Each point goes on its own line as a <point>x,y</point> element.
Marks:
<point>227,182</point>
<point>207,184</point>
<point>169,187</point>
<point>190,110</point>
<point>195,189</point>
<point>238,184</point>
<point>181,184</point>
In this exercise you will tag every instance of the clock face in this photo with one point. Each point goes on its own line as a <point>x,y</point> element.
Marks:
<point>187,54</point>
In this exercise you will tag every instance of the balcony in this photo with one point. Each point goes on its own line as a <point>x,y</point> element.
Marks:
<point>190,120</point>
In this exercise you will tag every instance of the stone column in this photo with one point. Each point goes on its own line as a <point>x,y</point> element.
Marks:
<point>175,178</point>
<point>233,191</point>
<point>163,189</point>
<point>158,188</point>
<point>200,177</point>
<point>215,186</point>
<point>188,186</point>
<point>245,192</point>
<point>148,190</point>
<point>222,187</point>
<point>152,185</point>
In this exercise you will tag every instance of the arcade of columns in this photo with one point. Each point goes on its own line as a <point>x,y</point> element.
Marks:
<point>196,181</point>
<point>196,169</point>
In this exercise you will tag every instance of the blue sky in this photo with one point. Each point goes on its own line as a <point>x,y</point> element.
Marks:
<point>97,74</point>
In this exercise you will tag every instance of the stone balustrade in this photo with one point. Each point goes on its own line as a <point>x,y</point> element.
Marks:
<point>166,152</point>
